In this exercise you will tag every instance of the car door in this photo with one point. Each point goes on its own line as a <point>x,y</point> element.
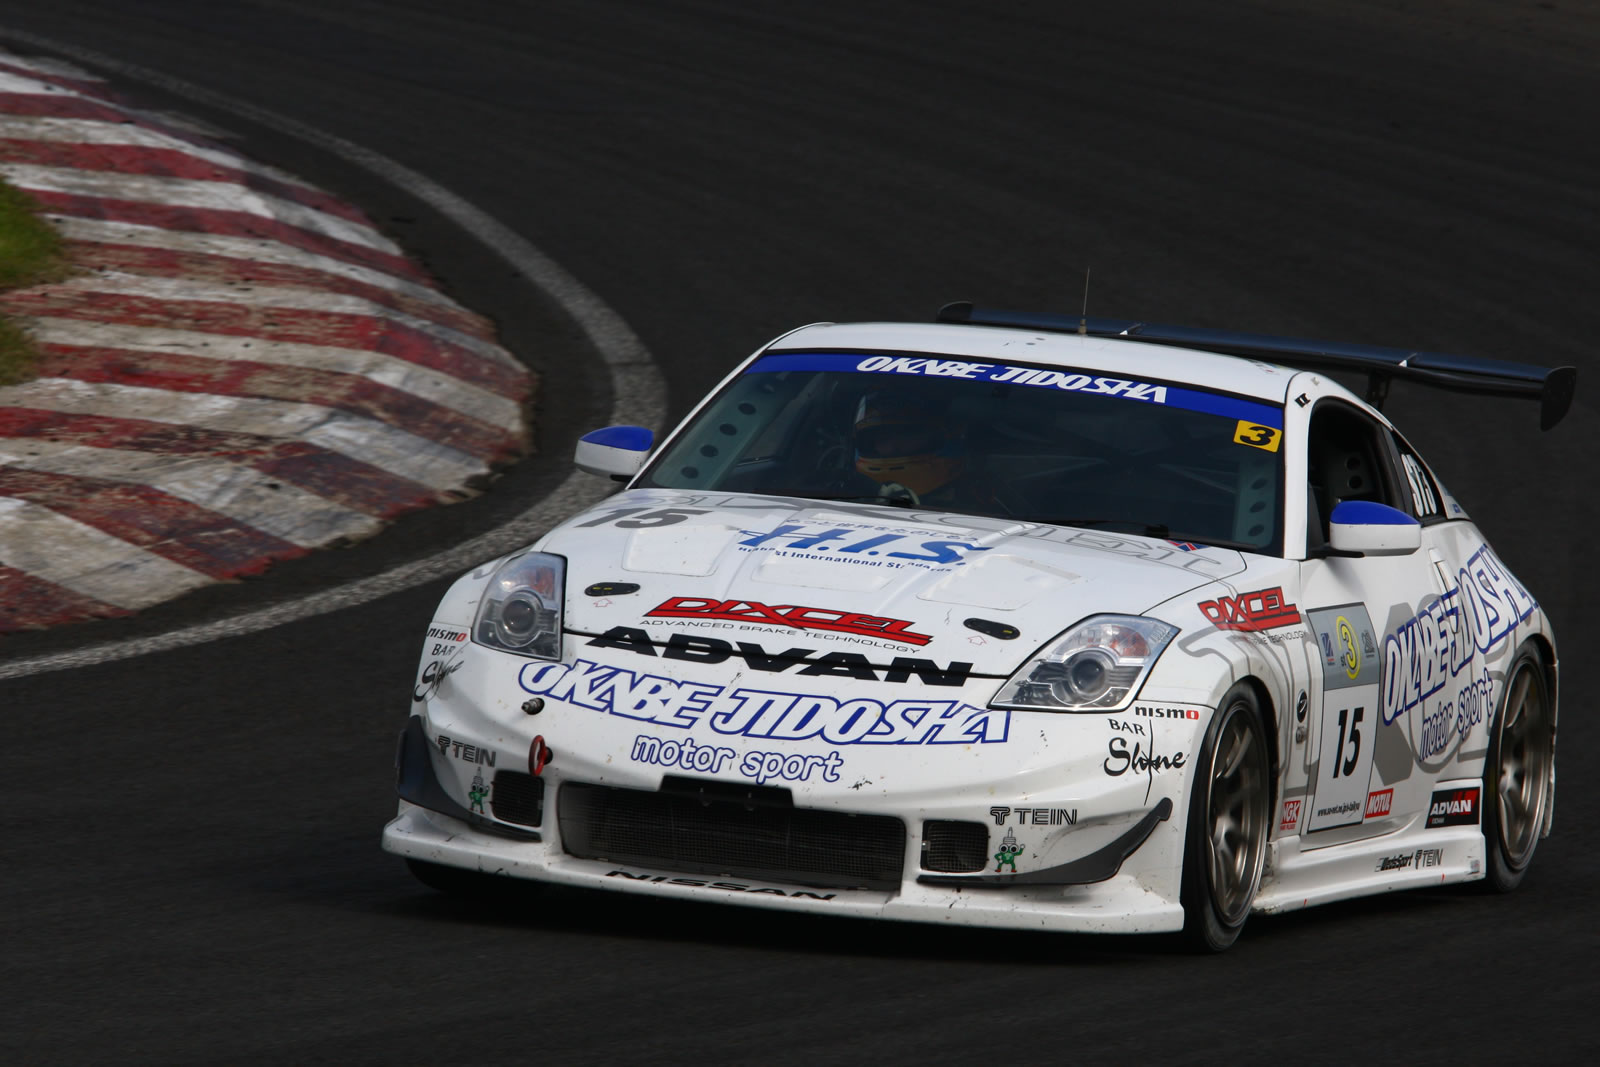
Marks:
<point>1359,773</point>
<point>1468,636</point>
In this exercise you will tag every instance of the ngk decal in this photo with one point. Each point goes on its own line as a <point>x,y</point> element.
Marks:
<point>1263,609</point>
<point>791,616</point>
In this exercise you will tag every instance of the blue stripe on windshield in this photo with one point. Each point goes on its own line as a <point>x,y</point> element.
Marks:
<point>1064,378</point>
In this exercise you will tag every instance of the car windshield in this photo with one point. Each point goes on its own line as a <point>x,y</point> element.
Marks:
<point>1033,443</point>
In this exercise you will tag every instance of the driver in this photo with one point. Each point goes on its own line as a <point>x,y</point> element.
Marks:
<point>912,449</point>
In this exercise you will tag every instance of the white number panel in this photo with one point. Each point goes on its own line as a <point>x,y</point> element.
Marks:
<point>1351,715</point>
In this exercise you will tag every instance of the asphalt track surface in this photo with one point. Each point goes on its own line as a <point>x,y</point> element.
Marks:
<point>189,865</point>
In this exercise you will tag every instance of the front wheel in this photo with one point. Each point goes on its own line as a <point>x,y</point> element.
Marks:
<point>1518,777</point>
<point>1229,820</point>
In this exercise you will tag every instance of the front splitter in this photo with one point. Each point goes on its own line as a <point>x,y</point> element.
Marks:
<point>1117,905</point>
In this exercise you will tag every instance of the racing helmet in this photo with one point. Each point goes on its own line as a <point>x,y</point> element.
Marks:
<point>902,440</point>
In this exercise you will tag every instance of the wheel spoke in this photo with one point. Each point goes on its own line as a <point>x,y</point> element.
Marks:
<point>1242,740</point>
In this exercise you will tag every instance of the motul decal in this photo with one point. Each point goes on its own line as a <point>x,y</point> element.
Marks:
<point>1453,807</point>
<point>1263,609</point>
<point>794,616</point>
<point>1379,803</point>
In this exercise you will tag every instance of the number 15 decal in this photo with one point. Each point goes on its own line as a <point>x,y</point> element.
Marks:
<point>1345,767</point>
<point>1257,436</point>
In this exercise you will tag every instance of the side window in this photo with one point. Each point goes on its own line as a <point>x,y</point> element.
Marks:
<point>1349,457</point>
<point>1427,503</point>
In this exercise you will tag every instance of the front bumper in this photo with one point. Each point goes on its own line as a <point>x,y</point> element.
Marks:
<point>1119,905</point>
<point>1101,854</point>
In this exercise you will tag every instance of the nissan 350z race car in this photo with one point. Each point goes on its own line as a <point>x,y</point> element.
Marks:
<point>1010,619</point>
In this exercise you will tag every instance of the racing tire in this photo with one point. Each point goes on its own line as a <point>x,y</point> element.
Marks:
<point>1230,819</point>
<point>1519,774</point>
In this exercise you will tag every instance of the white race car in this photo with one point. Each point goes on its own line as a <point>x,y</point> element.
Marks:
<point>1011,620</point>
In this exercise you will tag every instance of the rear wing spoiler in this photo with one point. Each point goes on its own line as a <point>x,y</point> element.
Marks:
<point>1552,387</point>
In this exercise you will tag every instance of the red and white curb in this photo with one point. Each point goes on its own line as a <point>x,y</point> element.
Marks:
<point>246,370</point>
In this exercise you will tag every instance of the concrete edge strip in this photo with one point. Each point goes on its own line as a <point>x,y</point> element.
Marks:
<point>639,393</point>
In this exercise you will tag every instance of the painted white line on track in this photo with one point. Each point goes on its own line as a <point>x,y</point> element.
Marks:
<point>639,394</point>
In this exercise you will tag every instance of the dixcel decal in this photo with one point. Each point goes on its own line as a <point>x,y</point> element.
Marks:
<point>693,648</point>
<point>1262,609</point>
<point>760,713</point>
<point>1453,807</point>
<point>792,616</point>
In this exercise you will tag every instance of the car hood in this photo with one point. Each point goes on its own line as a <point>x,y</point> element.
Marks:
<point>785,573</point>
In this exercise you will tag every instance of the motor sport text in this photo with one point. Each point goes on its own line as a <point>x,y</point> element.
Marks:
<point>1263,609</point>
<point>1441,641</point>
<point>709,759</point>
<point>792,616</point>
<point>758,713</point>
<point>694,649</point>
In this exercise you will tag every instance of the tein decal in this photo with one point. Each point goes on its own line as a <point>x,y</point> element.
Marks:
<point>792,616</point>
<point>762,713</point>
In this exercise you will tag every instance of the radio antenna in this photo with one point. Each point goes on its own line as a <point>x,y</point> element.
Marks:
<point>1083,323</point>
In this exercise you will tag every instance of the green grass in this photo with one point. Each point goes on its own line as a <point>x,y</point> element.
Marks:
<point>30,254</point>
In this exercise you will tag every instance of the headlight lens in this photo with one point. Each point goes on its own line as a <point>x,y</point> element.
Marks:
<point>521,608</point>
<point>1098,665</point>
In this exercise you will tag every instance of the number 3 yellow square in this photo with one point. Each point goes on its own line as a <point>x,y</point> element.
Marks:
<point>1257,436</point>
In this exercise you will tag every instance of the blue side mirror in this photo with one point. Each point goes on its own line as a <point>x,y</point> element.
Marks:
<point>1372,529</point>
<point>617,452</point>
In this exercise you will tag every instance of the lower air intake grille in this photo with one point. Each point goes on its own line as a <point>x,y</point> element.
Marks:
<point>954,847</point>
<point>517,798</point>
<point>701,834</point>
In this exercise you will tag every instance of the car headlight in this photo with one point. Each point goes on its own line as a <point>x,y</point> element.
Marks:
<point>1098,665</point>
<point>521,608</point>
